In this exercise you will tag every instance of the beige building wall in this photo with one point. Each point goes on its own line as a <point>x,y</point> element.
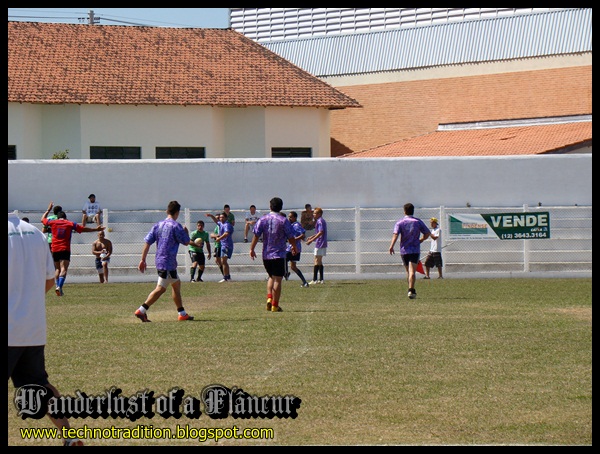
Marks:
<point>411,103</point>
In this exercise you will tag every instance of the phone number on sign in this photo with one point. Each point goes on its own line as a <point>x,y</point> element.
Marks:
<point>521,236</point>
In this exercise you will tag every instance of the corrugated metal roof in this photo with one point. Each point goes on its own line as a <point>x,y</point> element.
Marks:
<point>503,38</point>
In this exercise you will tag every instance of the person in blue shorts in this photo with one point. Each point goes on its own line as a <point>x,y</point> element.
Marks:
<point>225,237</point>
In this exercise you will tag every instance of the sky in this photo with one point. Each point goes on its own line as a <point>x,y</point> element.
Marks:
<point>153,17</point>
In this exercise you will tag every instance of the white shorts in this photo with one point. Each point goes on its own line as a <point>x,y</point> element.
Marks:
<point>322,251</point>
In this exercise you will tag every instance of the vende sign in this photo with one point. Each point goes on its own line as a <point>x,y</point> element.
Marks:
<point>506,226</point>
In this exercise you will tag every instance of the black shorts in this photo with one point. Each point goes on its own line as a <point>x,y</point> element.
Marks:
<point>197,257</point>
<point>407,258</point>
<point>217,252</point>
<point>61,255</point>
<point>275,267</point>
<point>433,259</point>
<point>166,274</point>
<point>292,258</point>
<point>27,366</point>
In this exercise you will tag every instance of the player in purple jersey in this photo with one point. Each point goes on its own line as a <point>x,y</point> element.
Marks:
<point>409,229</point>
<point>225,238</point>
<point>320,240</point>
<point>168,234</point>
<point>276,231</point>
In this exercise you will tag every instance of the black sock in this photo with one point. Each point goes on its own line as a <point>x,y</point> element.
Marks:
<point>321,271</point>
<point>315,272</point>
<point>301,276</point>
<point>200,272</point>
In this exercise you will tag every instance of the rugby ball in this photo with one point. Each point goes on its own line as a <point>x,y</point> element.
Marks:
<point>199,242</point>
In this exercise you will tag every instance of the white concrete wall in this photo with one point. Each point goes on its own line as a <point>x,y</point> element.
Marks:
<point>555,180</point>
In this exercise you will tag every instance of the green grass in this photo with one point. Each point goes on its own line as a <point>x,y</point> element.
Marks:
<point>470,362</point>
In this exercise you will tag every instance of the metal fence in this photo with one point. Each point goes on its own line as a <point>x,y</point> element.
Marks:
<point>358,238</point>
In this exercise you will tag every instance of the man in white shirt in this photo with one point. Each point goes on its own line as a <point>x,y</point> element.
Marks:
<point>251,217</point>
<point>30,276</point>
<point>434,256</point>
<point>91,211</point>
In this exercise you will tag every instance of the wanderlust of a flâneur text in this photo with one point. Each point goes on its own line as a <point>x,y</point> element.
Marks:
<point>215,401</point>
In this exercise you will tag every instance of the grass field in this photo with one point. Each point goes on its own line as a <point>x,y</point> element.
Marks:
<point>469,362</point>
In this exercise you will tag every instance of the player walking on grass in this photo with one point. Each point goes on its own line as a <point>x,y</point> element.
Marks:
<point>168,235</point>
<point>409,229</point>
<point>276,231</point>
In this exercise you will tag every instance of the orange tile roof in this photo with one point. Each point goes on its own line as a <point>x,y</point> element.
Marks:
<point>105,64</point>
<point>505,141</point>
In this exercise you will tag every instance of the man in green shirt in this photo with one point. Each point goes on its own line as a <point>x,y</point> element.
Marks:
<point>200,238</point>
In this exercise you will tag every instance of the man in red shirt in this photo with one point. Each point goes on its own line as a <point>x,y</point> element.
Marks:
<point>62,231</point>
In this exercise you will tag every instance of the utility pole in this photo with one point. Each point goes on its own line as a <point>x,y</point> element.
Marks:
<point>92,19</point>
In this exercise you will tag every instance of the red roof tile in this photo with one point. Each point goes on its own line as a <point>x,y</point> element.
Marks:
<point>505,141</point>
<point>105,64</point>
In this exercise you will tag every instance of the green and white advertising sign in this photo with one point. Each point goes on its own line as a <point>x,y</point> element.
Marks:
<point>506,226</point>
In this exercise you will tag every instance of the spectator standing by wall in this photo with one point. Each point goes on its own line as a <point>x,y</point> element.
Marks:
<point>409,230</point>
<point>434,256</point>
<point>320,240</point>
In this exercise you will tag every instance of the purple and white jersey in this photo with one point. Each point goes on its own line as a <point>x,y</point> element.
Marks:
<point>321,226</point>
<point>298,230</point>
<point>409,229</point>
<point>167,235</point>
<point>275,230</point>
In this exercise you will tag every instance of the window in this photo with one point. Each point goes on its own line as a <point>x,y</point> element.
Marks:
<point>12,152</point>
<point>180,152</point>
<point>291,152</point>
<point>115,153</point>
